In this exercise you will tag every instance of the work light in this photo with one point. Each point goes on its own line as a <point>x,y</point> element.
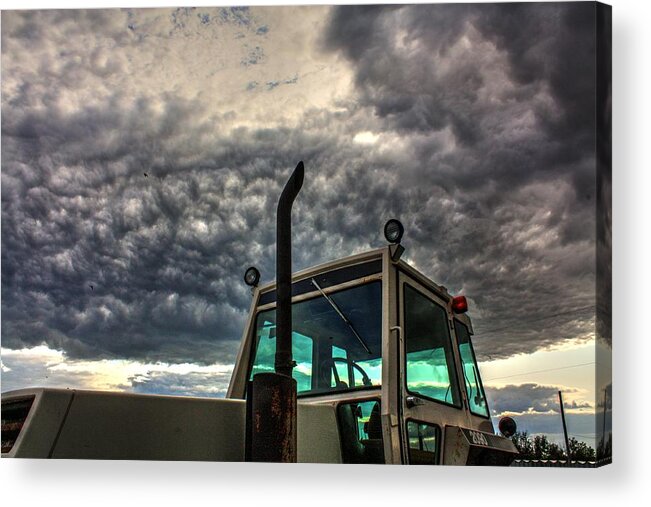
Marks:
<point>251,277</point>
<point>393,231</point>
<point>507,426</point>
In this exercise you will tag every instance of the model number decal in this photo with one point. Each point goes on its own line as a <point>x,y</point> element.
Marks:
<point>477,438</point>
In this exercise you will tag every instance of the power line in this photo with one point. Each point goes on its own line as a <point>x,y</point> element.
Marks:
<point>540,371</point>
<point>594,437</point>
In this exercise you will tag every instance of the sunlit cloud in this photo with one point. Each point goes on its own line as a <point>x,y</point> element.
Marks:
<point>366,138</point>
<point>44,367</point>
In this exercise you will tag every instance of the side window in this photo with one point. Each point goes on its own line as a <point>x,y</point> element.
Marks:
<point>360,430</point>
<point>424,442</point>
<point>430,363</point>
<point>474,388</point>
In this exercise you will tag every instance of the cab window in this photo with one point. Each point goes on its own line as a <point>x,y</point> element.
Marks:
<point>429,368</point>
<point>424,442</point>
<point>302,350</point>
<point>471,377</point>
<point>332,354</point>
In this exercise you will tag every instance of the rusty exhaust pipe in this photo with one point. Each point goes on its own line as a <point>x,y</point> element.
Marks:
<point>271,398</point>
<point>284,362</point>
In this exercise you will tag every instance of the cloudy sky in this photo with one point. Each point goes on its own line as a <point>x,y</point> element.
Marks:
<point>143,152</point>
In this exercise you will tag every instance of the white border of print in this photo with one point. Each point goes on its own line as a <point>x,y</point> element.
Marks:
<point>27,482</point>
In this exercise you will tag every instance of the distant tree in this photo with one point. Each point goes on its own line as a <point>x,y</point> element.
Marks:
<point>580,451</point>
<point>523,444</point>
<point>555,451</point>
<point>539,447</point>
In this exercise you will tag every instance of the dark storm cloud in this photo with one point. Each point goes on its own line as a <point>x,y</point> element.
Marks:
<point>604,180</point>
<point>398,52</point>
<point>98,257</point>
<point>481,155</point>
<point>424,68</point>
<point>508,214</point>
<point>530,398</point>
<point>126,230</point>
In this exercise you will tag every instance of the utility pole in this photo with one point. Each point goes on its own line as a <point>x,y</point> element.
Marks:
<point>567,440</point>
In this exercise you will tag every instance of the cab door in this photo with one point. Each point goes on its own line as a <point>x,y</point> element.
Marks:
<point>430,393</point>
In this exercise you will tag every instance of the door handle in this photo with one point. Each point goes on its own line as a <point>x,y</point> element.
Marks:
<point>413,401</point>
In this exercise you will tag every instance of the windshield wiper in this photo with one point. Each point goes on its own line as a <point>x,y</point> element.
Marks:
<point>343,317</point>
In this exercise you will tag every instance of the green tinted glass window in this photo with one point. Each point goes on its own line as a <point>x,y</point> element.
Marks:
<point>430,368</point>
<point>423,443</point>
<point>471,377</point>
<point>301,352</point>
<point>329,355</point>
<point>340,367</point>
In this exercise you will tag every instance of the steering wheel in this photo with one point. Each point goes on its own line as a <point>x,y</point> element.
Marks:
<point>366,380</point>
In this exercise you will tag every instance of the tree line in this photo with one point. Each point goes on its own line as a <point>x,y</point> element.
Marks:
<point>540,447</point>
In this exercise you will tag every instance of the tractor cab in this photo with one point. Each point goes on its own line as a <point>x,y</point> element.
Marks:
<point>389,350</point>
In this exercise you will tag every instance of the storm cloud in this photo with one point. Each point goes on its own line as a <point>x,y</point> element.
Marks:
<point>498,103</point>
<point>532,399</point>
<point>140,173</point>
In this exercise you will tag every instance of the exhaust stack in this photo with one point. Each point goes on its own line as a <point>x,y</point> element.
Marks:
<point>284,362</point>
<point>271,397</point>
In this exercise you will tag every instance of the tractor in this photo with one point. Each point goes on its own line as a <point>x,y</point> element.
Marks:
<point>361,360</point>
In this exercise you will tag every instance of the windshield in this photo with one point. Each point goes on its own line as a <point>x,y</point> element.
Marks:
<point>326,343</point>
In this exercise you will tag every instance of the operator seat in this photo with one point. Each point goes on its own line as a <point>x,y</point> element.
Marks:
<point>373,445</point>
<point>373,426</point>
<point>365,448</point>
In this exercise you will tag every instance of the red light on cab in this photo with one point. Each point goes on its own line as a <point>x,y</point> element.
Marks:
<point>459,304</point>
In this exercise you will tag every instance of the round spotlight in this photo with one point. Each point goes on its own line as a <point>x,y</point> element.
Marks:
<point>251,277</point>
<point>507,426</point>
<point>393,231</point>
